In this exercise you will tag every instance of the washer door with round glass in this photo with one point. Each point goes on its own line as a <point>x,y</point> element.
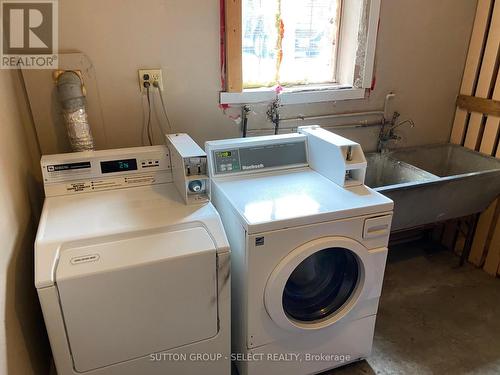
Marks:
<point>316,284</point>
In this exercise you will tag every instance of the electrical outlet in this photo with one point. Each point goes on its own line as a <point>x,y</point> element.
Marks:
<point>151,76</point>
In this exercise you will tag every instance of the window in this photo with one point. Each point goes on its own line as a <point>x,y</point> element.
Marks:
<point>316,50</point>
<point>289,42</point>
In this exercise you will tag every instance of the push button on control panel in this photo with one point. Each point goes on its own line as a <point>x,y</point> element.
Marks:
<point>150,163</point>
<point>227,161</point>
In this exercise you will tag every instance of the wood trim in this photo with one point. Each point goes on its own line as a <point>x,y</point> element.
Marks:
<point>472,66</point>
<point>371,41</point>
<point>234,69</point>
<point>487,107</point>
<point>335,57</point>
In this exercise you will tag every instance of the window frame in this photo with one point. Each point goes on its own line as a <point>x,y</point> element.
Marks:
<point>346,68</point>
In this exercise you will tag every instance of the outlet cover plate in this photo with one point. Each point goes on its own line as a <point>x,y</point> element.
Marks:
<point>154,75</point>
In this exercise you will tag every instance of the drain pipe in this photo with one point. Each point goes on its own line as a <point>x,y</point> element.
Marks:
<point>70,92</point>
<point>244,120</point>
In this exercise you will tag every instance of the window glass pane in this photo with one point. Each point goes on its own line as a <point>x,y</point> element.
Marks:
<point>259,42</point>
<point>308,46</point>
<point>309,43</point>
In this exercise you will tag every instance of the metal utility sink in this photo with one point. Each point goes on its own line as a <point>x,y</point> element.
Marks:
<point>447,160</point>
<point>385,171</point>
<point>434,183</point>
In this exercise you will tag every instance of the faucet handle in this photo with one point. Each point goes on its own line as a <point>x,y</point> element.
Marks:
<point>395,117</point>
<point>393,136</point>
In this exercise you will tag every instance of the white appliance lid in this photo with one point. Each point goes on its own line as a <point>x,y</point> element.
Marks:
<point>275,200</point>
<point>75,218</point>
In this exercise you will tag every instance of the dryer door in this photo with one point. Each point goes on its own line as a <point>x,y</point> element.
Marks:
<point>126,298</point>
<point>316,284</point>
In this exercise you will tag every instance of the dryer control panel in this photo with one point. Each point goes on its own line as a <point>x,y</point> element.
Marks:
<point>89,171</point>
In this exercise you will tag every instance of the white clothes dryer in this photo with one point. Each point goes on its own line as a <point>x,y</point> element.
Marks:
<point>131,280</point>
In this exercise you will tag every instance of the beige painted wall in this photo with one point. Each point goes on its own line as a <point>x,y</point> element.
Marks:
<point>23,344</point>
<point>421,51</point>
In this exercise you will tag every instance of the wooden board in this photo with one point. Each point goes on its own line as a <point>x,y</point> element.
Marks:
<point>478,251</point>
<point>472,66</point>
<point>489,139</point>
<point>490,134</point>
<point>487,75</point>
<point>449,234</point>
<point>234,69</point>
<point>488,107</point>
<point>461,239</point>
<point>492,262</point>
<point>477,122</point>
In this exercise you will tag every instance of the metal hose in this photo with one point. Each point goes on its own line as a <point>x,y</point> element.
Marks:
<point>72,100</point>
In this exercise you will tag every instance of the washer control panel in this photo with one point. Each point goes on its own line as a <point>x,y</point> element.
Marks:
<point>227,161</point>
<point>262,156</point>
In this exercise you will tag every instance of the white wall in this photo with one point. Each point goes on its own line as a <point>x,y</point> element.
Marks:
<point>119,37</point>
<point>23,344</point>
<point>421,51</point>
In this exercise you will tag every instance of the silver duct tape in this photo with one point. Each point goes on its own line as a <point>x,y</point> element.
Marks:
<point>78,129</point>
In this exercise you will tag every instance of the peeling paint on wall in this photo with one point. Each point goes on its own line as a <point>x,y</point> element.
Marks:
<point>359,69</point>
<point>280,28</point>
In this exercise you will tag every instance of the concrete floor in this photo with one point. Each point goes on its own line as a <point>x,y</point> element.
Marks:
<point>434,318</point>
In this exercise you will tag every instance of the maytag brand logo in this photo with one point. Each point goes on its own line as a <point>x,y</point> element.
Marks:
<point>253,166</point>
<point>29,35</point>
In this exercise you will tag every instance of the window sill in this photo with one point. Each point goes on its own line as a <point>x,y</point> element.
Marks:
<point>293,95</point>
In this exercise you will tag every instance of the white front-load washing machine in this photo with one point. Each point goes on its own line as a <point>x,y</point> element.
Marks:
<point>308,255</point>
<point>131,280</point>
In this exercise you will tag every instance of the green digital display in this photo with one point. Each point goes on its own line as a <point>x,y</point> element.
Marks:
<point>113,166</point>
<point>224,154</point>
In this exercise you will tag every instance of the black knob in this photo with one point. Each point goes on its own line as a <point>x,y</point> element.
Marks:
<point>195,186</point>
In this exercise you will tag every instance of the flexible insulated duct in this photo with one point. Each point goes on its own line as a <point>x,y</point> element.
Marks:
<point>72,99</point>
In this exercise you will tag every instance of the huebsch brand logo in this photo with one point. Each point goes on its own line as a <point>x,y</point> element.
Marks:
<point>29,35</point>
<point>253,166</point>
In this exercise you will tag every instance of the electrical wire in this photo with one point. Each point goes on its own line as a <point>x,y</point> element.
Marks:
<point>144,141</point>
<point>148,126</point>
<point>164,108</point>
